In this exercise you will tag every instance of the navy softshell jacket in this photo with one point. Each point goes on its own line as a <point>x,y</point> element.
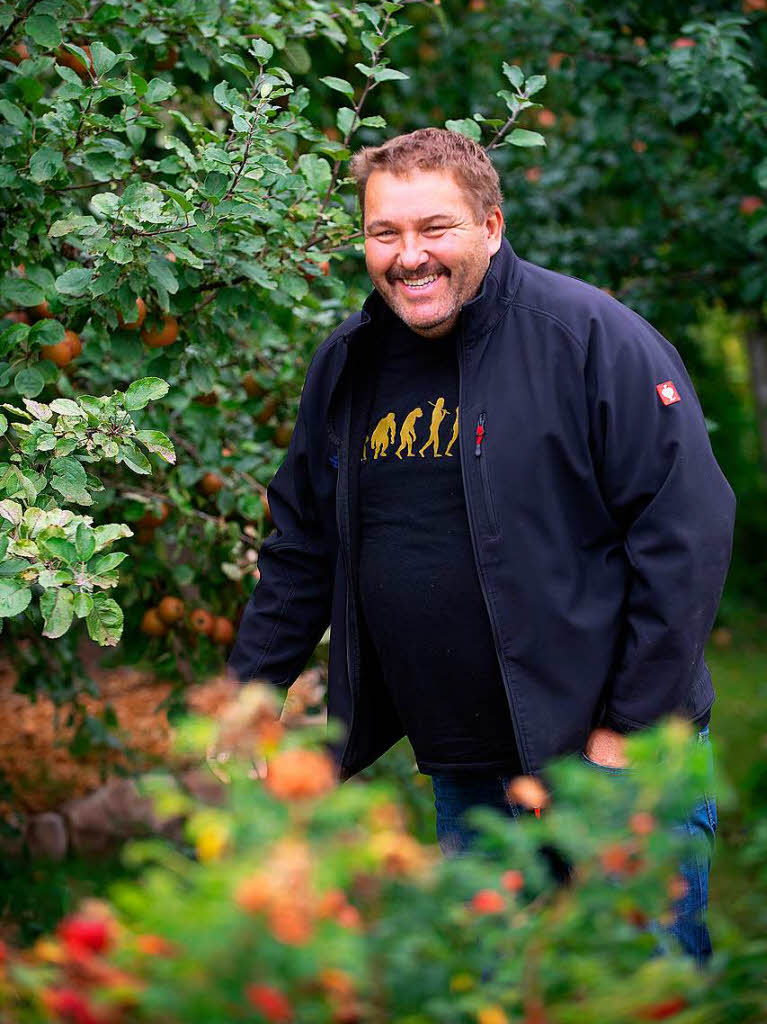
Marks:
<point>600,521</point>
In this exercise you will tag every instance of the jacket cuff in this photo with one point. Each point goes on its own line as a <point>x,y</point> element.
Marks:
<point>612,720</point>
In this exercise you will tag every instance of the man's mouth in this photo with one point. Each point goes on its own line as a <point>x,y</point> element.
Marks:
<point>419,285</point>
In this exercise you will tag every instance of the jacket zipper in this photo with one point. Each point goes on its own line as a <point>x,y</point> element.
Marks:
<point>478,439</point>
<point>343,513</point>
<point>484,474</point>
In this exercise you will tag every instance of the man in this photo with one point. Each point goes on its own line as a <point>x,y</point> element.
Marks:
<point>548,584</point>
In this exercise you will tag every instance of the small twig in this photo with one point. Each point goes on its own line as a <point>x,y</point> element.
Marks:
<point>138,495</point>
<point>369,82</point>
<point>188,446</point>
<point>90,184</point>
<point>502,131</point>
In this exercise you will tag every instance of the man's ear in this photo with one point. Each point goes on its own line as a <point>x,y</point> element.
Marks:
<point>494,226</point>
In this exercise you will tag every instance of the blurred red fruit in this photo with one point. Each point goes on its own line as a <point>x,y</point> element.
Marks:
<point>642,823</point>
<point>18,316</point>
<point>270,1002</point>
<point>512,881</point>
<point>682,43</point>
<point>71,1006</point>
<point>750,204</point>
<point>85,934</point>
<point>662,1011</point>
<point>488,901</point>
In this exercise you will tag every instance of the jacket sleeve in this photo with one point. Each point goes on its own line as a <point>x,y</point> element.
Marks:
<point>674,509</point>
<point>289,608</point>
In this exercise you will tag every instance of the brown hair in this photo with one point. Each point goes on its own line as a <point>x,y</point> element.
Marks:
<point>431,149</point>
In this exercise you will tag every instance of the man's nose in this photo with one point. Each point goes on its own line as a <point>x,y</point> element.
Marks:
<point>412,253</point>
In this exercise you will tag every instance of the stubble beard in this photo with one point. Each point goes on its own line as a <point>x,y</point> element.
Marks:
<point>474,273</point>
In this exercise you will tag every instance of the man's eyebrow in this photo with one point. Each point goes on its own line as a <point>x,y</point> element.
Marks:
<point>374,224</point>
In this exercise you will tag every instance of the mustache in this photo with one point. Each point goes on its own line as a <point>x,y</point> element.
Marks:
<point>400,275</point>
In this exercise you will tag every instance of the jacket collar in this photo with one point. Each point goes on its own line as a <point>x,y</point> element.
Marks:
<point>480,314</point>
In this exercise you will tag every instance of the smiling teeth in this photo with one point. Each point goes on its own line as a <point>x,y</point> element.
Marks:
<point>421,282</point>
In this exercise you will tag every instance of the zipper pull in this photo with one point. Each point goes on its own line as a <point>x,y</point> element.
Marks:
<point>480,434</point>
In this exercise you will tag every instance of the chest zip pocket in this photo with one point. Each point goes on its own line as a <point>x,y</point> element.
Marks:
<point>487,491</point>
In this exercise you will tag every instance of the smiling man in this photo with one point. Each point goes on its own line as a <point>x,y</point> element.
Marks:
<point>501,494</point>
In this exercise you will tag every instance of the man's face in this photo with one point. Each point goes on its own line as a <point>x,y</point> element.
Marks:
<point>424,251</point>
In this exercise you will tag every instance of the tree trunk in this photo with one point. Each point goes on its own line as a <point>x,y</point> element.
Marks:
<point>757,353</point>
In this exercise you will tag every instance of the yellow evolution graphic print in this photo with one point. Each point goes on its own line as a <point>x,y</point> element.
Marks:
<point>385,433</point>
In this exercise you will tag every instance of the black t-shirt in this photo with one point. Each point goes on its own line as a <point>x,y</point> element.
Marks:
<point>419,588</point>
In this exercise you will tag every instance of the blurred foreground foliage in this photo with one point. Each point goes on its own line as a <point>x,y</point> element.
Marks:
<point>293,899</point>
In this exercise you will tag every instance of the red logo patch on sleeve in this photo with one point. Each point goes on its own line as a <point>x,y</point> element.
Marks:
<point>667,392</point>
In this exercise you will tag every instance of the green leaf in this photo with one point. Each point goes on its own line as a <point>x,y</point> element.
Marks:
<point>761,174</point>
<point>120,251</point>
<point>345,117</point>
<point>162,273</point>
<point>237,62</point>
<point>522,137</point>
<point>70,224</point>
<point>158,90</point>
<point>14,598</point>
<point>85,542</point>
<point>47,332</point>
<point>316,170</point>
<point>11,511</point>
<point>139,84</point>
<point>145,390</point>
<point>58,547</point>
<point>180,198</point>
<point>106,204</point>
<point>70,480</point>
<point>29,381</point>
<point>74,282</point>
<point>45,164</point>
<point>158,443</point>
<point>372,15</point>
<point>514,74</point>
<point>111,532</point>
<point>261,50</point>
<point>42,28</point>
<point>107,562</point>
<point>13,566</point>
<point>297,57</point>
<point>83,605</point>
<point>534,84</point>
<point>57,607</point>
<point>105,621</point>
<point>389,75</point>
<point>295,286</point>
<point>103,58</point>
<point>3,424</point>
<point>465,126</point>
<point>19,291</point>
<point>39,410</point>
<point>66,407</point>
<point>13,115</point>
<point>339,84</point>
<point>374,121</point>
<point>134,459</point>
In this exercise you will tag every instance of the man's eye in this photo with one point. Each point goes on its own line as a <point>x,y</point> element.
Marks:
<point>436,229</point>
<point>382,234</point>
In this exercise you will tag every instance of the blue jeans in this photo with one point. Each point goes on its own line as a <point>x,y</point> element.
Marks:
<point>455,794</point>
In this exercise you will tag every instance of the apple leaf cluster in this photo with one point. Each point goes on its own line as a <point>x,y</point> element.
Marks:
<point>52,551</point>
